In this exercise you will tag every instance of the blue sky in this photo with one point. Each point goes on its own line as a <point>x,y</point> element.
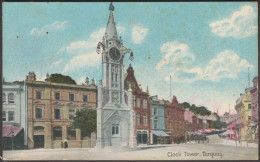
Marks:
<point>206,47</point>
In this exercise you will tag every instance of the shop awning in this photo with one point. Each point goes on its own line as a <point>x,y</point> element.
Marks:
<point>10,131</point>
<point>160,133</point>
<point>228,132</point>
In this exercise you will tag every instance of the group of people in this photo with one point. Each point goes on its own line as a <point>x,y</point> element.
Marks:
<point>64,144</point>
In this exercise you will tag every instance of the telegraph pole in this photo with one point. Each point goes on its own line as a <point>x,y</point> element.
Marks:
<point>248,78</point>
<point>170,87</point>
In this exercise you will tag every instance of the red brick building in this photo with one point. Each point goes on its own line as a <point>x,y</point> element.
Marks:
<point>141,107</point>
<point>174,121</point>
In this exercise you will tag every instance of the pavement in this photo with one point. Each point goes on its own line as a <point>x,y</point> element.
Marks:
<point>189,151</point>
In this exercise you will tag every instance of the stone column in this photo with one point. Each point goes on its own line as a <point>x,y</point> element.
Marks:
<point>100,139</point>
<point>132,138</point>
<point>109,83</point>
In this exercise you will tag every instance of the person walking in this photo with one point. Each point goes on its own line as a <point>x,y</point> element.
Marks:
<point>66,145</point>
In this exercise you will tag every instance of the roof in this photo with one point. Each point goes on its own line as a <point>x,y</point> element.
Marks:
<point>111,25</point>
<point>9,130</point>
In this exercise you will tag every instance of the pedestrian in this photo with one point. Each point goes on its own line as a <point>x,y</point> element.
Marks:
<point>66,145</point>
<point>61,144</point>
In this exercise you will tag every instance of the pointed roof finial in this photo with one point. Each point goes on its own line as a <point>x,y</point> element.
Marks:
<point>111,7</point>
<point>147,90</point>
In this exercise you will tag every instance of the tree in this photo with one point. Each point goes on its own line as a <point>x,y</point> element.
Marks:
<point>86,121</point>
<point>201,110</point>
<point>185,105</point>
<point>218,125</point>
<point>59,78</point>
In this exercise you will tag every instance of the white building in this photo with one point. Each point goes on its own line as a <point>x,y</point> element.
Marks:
<point>14,98</point>
<point>157,120</point>
<point>227,117</point>
<point>115,119</point>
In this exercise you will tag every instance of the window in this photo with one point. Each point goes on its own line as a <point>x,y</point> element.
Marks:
<point>57,96</point>
<point>4,97</point>
<point>4,116</point>
<point>115,129</point>
<point>57,113</point>
<point>138,102</point>
<point>249,118</point>
<point>10,98</point>
<point>145,104</point>
<point>85,98</point>
<point>10,115</point>
<point>38,95</point>
<point>155,124</point>
<point>134,101</point>
<point>155,111</point>
<point>38,113</point>
<point>71,113</point>
<point>71,97</point>
<point>38,128</point>
<point>249,106</point>
<point>141,104</point>
<point>145,120</point>
<point>138,118</point>
<point>57,133</point>
<point>71,133</point>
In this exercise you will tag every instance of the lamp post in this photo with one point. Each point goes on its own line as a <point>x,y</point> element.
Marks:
<point>12,134</point>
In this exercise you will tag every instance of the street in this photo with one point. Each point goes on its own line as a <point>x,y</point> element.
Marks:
<point>189,151</point>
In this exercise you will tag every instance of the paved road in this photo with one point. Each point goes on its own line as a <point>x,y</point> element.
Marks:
<point>190,151</point>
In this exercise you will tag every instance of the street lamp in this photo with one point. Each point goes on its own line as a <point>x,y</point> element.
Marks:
<point>131,57</point>
<point>12,136</point>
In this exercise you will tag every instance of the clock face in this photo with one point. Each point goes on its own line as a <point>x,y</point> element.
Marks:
<point>114,53</point>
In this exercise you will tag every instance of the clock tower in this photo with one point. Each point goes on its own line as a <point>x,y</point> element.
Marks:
<point>115,117</point>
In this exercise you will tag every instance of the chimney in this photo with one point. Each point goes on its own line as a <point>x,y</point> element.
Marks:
<point>31,77</point>
<point>93,81</point>
<point>87,81</point>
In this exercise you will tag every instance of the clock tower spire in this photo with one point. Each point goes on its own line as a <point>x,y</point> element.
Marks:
<point>111,32</point>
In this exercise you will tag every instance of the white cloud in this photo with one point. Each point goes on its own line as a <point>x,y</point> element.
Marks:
<point>227,64</point>
<point>241,24</point>
<point>84,51</point>
<point>179,60</point>
<point>79,61</point>
<point>57,25</point>
<point>138,34</point>
<point>56,63</point>
<point>81,80</point>
<point>175,54</point>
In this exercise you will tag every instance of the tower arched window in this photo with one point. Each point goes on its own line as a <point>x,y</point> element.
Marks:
<point>10,98</point>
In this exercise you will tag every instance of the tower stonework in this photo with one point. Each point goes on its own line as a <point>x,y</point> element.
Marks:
<point>115,118</point>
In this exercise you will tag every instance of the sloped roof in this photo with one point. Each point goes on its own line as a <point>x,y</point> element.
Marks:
<point>9,130</point>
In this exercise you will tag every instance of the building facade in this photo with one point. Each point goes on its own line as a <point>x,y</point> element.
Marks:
<point>175,123</point>
<point>157,121</point>
<point>244,112</point>
<point>51,111</point>
<point>232,127</point>
<point>141,108</point>
<point>254,99</point>
<point>191,121</point>
<point>14,98</point>
<point>115,117</point>
<point>227,117</point>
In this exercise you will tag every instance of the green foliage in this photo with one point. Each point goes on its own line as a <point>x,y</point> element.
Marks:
<point>59,78</point>
<point>86,120</point>
<point>218,125</point>
<point>201,110</point>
